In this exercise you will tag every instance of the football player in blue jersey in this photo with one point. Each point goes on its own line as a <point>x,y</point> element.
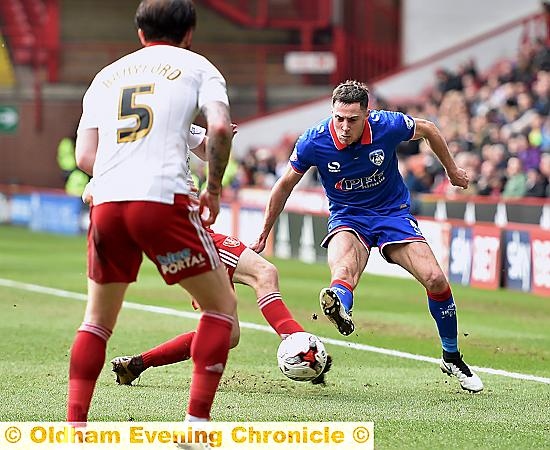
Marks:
<point>354,151</point>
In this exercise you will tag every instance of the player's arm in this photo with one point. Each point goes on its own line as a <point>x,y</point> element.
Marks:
<point>200,150</point>
<point>277,200</point>
<point>427,130</point>
<point>218,146</point>
<point>86,149</point>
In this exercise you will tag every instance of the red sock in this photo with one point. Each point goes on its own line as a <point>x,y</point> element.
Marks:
<point>169,352</point>
<point>87,359</point>
<point>209,349</point>
<point>277,314</point>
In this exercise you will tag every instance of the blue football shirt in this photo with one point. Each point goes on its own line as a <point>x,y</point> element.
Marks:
<point>361,178</point>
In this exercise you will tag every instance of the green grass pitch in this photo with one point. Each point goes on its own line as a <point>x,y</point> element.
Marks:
<point>412,404</point>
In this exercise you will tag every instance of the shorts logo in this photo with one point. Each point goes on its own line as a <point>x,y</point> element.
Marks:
<point>333,166</point>
<point>294,156</point>
<point>231,242</point>
<point>408,121</point>
<point>416,229</point>
<point>377,157</point>
<point>174,262</point>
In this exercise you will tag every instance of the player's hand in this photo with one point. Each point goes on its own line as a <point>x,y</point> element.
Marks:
<point>459,177</point>
<point>211,202</point>
<point>259,245</point>
<point>87,196</point>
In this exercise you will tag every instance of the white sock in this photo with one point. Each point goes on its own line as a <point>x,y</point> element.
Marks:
<point>190,418</point>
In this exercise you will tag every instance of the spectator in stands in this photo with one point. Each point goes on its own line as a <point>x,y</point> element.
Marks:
<point>544,168</point>
<point>516,179</point>
<point>65,156</point>
<point>537,183</point>
<point>519,146</point>
<point>491,181</point>
<point>541,91</point>
<point>75,180</point>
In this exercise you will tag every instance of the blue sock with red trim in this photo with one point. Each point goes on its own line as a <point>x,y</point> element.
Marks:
<point>443,310</point>
<point>344,292</point>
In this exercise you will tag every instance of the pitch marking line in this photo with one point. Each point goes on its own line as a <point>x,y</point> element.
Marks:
<point>254,326</point>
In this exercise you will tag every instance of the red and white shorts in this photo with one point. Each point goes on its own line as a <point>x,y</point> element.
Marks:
<point>172,236</point>
<point>230,250</point>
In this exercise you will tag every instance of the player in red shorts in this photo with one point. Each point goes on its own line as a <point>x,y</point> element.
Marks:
<point>130,139</point>
<point>244,266</point>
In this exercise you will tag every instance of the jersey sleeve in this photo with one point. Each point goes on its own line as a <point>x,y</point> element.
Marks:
<point>402,126</point>
<point>196,136</point>
<point>91,113</point>
<point>300,157</point>
<point>213,87</point>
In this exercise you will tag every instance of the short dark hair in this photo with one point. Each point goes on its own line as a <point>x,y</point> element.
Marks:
<point>351,91</point>
<point>166,20</point>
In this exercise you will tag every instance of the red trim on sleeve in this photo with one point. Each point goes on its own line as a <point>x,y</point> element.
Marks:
<point>295,169</point>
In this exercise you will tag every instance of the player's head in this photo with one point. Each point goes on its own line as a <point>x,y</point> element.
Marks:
<point>350,107</point>
<point>169,21</point>
<point>351,91</point>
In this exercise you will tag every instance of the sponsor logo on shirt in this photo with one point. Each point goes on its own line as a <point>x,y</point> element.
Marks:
<point>180,260</point>
<point>333,166</point>
<point>357,184</point>
<point>377,157</point>
<point>375,116</point>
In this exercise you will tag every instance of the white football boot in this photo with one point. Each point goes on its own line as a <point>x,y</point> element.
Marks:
<point>453,365</point>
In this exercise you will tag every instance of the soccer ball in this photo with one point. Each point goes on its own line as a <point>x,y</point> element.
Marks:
<point>301,356</point>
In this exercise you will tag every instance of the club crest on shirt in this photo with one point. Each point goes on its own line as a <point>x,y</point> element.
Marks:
<point>377,157</point>
<point>231,242</point>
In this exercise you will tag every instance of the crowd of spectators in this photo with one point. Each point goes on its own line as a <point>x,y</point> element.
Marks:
<point>497,126</point>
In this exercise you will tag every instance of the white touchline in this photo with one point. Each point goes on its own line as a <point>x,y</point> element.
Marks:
<point>255,326</point>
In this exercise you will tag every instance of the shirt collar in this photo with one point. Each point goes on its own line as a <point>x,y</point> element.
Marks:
<point>366,137</point>
<point>152,43</point>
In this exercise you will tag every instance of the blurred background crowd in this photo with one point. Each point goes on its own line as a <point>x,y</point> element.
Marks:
<point>496,123</point>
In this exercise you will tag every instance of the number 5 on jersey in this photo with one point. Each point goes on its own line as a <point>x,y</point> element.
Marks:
<point>129,108</point>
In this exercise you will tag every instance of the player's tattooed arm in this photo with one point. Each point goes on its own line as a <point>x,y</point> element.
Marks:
<point>218,143</point>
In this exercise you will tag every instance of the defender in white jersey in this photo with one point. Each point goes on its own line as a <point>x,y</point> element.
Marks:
<point>133,138</point>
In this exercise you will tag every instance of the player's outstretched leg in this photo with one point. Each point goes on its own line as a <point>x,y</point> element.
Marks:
<point>128,368</point>
<point>453,365</point>
<point>335,311</point>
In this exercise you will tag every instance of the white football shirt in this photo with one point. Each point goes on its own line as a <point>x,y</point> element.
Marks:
<point>143,105</point>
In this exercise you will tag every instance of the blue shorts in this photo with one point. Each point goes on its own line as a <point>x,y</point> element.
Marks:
<point>376,231</point>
